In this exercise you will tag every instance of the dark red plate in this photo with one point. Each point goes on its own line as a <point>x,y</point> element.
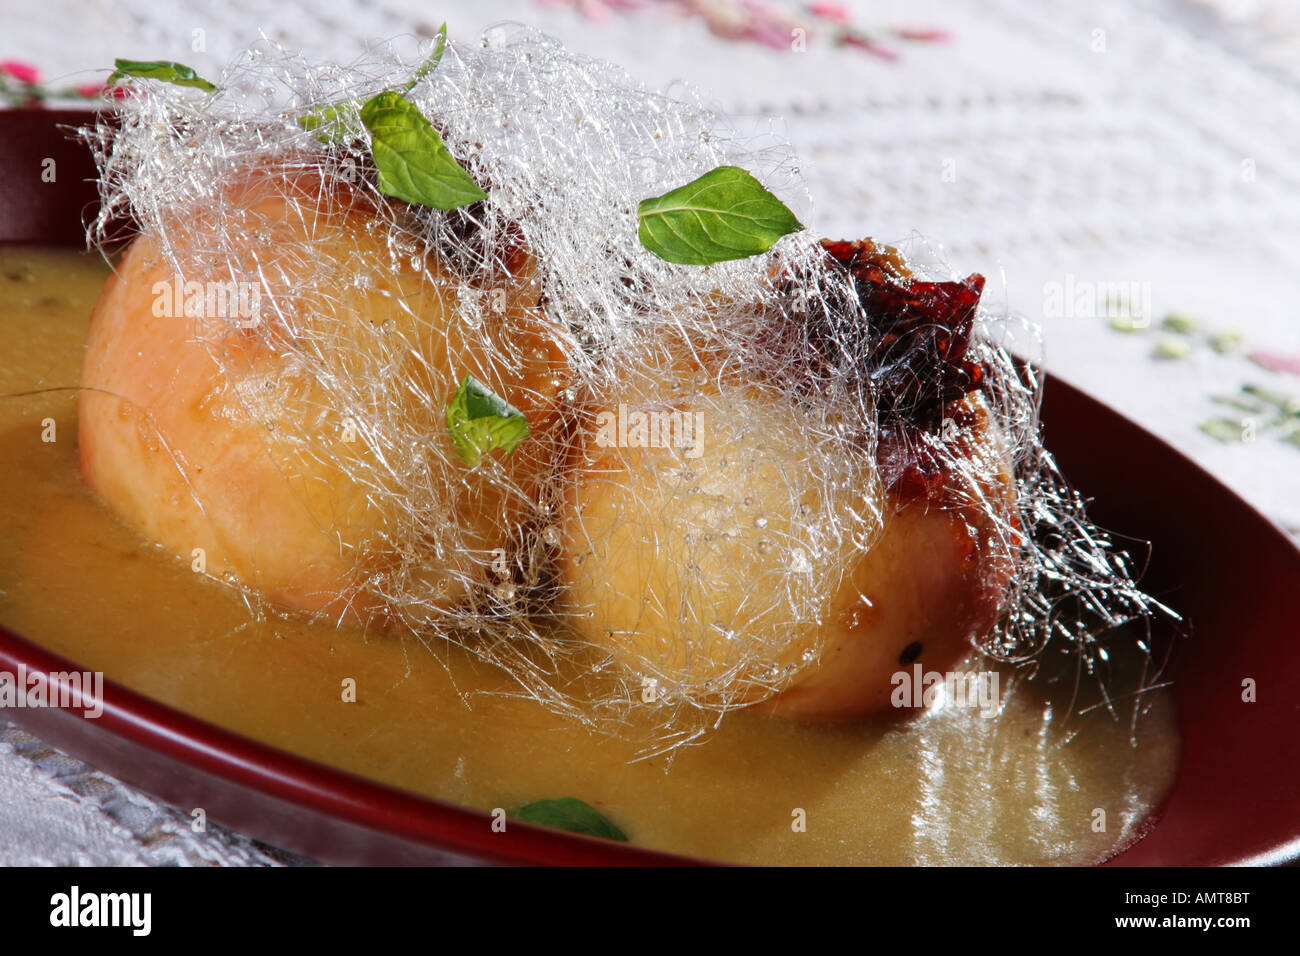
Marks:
<point>1232,574</point>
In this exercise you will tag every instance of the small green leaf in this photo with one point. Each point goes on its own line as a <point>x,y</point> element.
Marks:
<point>1171,349</point>
<point>569,813</point>
<point>177,74</point>
<point>339,123</point>
<point>431,64</point>
<point>1223,429</point>
<point>1225,342</point>
<point>1127,324</point>
<point>1239,403</point>
<point>479,421</point>
<point>1283,403</point>
<point>1179,324</point>
<point>413,162</point>
<point>725,214</point>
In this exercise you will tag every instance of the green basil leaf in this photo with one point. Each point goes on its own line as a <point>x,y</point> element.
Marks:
<point>725,214</point>
<point>333,124</point>
<point>431,64</point>
<point>177,74</point>
<point>569,813</point>
<point>479,421</point>
<point>413,162</point>
<point>340,123</point>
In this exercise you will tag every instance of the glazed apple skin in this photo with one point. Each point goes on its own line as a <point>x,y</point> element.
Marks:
<point>928,590</point>
<point>203,434</point>
<point>658,569</point>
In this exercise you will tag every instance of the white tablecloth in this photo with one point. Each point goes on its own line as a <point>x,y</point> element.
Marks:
<point>1057,146</point>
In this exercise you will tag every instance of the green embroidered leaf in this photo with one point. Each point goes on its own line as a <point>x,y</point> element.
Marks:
<point>1223,429</point>
<point>479,421</point>
<point>1225,342</point>
<point>1283,403</point>
<point>725,214</point>
<point>1241,404</point>
<point>177,74</point>
<point>413,162</point>
<point>569,813</point>
<point>1171,349</point>
<point>1179,324</point>
<point>1122,323</point>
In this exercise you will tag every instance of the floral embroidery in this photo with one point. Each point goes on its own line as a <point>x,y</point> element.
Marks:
<point>775,25</point>
<point>1264,411</point>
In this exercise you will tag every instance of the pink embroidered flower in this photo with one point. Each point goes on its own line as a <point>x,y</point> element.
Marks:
<point>594,11</point>
<point>778,24</point>
<point>835,12</point>
<point>924,34</point>
<point>869,46</point>
<point>776,36</point>
<point>1275,362</point>
<point>20,71</point>
<point>723,19</point>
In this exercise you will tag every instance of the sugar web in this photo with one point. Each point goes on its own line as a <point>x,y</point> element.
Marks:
<point>566,147</point>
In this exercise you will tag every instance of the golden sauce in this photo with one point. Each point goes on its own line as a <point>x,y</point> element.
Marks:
<point>948,787</point>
